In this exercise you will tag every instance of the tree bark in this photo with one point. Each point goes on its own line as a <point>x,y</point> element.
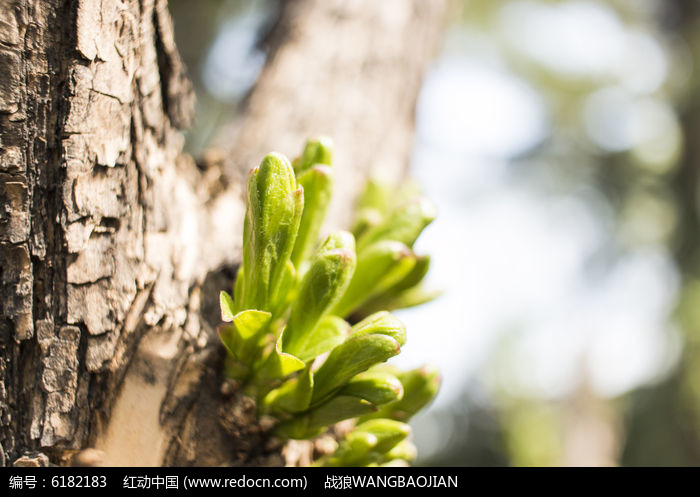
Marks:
<point>112,238</point>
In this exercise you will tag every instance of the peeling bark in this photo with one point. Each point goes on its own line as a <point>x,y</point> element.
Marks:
<point>111,238</point>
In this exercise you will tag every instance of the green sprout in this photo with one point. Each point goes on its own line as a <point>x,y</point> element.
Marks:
<point>307,329</point>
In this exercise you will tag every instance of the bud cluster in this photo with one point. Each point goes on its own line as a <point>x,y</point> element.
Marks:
<point>307,327</point>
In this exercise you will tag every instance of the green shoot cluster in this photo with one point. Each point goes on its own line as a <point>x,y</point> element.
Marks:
<point>288,325</point>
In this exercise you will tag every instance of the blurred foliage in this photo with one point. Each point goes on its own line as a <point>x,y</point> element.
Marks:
<point>533,434</point>
<point>652,184</point>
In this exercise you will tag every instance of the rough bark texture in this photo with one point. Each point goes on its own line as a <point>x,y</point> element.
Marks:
<point>112,240</point>
<point>104,220</point>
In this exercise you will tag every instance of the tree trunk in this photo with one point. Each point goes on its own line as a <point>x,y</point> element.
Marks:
<point>112,238</point>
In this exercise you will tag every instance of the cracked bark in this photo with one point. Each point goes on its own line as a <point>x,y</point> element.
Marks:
<point>112,239</point>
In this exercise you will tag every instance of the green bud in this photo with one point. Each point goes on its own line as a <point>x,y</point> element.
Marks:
<point>273,212</point>
<point>287,342</point>
<point>322,286</point>
<point>360,442</point>
<point>316,151</point>
<point>388,432</point>
<point>408,298</point>
<point>355,355</point>
<point>238,290</point>
<point>328,334</point>
<point>378,200</point>
<point>379,267</point>
<point>420,387</point>
<point>293,396</point>
<point>406,292</point>
<point>354,450</point>
<point>365,219</point>
<point>404,225</point>
<point>373,443</point>
<point>297,429</point>
<point>317,419</point>
<point>377,196</point>
<point>337,409</point>
<point>383,323</point>
<point>374,386</point>
<point>318,187</point>
<point>403,451</point>
<point>413,278</point>
<point>285,291</point>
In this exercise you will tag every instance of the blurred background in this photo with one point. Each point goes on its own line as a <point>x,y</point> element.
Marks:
<point>561,143</point>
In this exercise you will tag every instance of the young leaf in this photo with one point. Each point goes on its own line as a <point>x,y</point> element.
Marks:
<point>408,298</point>
<point>337,409</point>
<point>378,195</point>
<point>227,307</point>
<point>318,187</point>
<point>406,292</point>
<point>372,205</point>
<point>316,151</point>
<point>353,450</point>
<point>374,386</point>
<point>383,323</point>
<point>355,355</point>
<point>296,429</point>
<point>242,335</point>
<point>378,268</point>
<point>321,287</point>
<point>317,419</point>
<point>403,225</point>
<point>404,450</point>
<point>413,278</point>
<point>273,212</point>
<point>329,333</point>
<point>279,364</point>
<point>285,291</point>
<point>388,432</point>
<point>420,387</point>
<point>365,219</point>
<point>238,289</point>
<point>293,396</point>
